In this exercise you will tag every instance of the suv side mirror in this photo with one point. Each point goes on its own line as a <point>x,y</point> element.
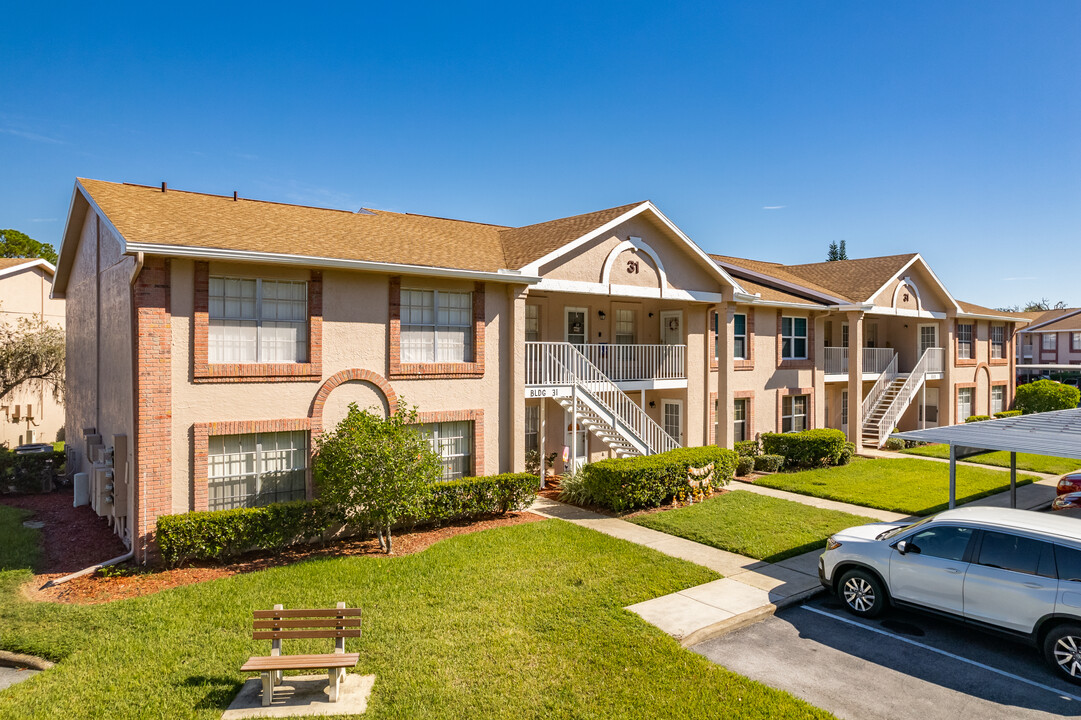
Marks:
<point>906,547</point>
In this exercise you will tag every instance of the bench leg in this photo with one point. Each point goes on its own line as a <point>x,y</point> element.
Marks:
<point>336,677</point>
<point>268,688</point>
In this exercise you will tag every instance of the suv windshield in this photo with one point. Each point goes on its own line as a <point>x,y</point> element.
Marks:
<point>897,531</point>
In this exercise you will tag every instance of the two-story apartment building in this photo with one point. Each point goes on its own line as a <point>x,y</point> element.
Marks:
<point>1051,342</point>
<point>212,339</point>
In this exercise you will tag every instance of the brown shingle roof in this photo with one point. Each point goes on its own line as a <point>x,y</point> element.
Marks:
<point>1040,317</point>
<point>775,270</point>
<point>525,244</point>
<point>6,263</point>
<point>981,310</point>
<point>1070,321</point>
<point>857,279</point>
<point>776,295</point>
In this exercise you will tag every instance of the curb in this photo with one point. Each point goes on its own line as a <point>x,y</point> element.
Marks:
<point>11,659</point>
<point>745,619</point>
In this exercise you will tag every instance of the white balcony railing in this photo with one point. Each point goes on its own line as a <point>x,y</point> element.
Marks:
<point>875,360</point>
<point>936,360</point>
<point>622,363</point>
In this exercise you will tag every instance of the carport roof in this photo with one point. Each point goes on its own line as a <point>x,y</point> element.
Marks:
<point>1055,433</point>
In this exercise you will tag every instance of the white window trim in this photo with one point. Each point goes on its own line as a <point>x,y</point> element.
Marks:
<point>791,400</point>
<point>971,342</point>
<point>302,450</point>
<point>793,337</point>
<point>1053,338</point>
<point>259,320</point>
<point>919,336</point>
<point>736,336</point>
<point>991,398</point>
<point>470,437</point>
<point>470,343</point>
<point>664,415</point>
<point>615,325</point>
<point>992,344</point>
<point>737,423</point>
<point>961,392</point>
<point>538,311</point>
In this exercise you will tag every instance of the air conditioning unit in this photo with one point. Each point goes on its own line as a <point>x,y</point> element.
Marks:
<point>16,412</point>
<point>29,411</point>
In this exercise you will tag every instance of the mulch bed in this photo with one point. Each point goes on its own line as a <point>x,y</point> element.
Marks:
<point>75,538</point>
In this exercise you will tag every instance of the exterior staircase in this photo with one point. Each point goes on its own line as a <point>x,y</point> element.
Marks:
<point>873,421</point>
<point>594,400</point>
<point>890,397</point>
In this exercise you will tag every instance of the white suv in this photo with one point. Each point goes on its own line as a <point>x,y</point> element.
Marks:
<point>1012,571</point>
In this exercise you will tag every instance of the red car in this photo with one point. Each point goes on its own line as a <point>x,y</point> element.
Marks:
<point>1069,501</point>
<point>1070,483</point>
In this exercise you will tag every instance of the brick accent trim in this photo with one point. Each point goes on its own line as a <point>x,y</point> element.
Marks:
<point>474,416</point>
<point>200,448</point>
<point>320,399</point>
<point>205,372</point>
<point>957,419</point>
<point>712,434</point>
<point>153,407</point>
<point>959,361</point>
<point>399,370</point>
<point>782,393</point>
<point>809,362</point>
<point>1005,359</point>
<point>748,364</point>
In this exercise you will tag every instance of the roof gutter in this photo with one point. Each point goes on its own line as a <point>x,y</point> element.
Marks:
<point>504,276</point>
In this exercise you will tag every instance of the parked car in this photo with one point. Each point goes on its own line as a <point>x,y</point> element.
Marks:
<point>1015,572</point>
<point>1069,483</point>
<point>1068,502</point>
<point>34,449</point>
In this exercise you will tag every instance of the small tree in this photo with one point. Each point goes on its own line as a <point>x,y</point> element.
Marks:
<point>31,353</point>
<point>1045,396</point>
<point>834,252</point>
<point>376,470</point>
<point>842,252</point>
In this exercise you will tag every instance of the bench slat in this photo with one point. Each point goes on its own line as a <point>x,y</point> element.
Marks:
<point>309,623</point>
<point>297,634</point>
<point>301,662</point>
<point>340,612</point>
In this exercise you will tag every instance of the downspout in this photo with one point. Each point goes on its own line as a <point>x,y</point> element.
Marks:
<point>140,493</point>
<point>86,571</point>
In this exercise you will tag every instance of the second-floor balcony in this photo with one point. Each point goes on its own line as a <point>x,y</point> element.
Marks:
<point>632,367</point>
<point>875,362</point>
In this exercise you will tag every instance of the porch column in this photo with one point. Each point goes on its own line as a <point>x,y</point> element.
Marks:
<point>724,435</point>
<point>514,439</point>
<point>946,404</point>
<point>855,378</point>
<point>707,380</point>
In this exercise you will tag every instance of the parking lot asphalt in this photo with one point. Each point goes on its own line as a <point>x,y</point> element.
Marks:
<point>901,666</point>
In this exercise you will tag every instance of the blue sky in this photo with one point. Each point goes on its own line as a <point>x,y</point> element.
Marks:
<point>764,129</point>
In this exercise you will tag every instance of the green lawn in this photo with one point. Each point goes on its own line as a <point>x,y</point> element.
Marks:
<point>524,621</point>
<point>18,544</point>
<point>911,486</point>
<point>757,526</point>
<point>1035,463</point>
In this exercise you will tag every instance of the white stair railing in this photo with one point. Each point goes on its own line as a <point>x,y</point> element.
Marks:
<point>560,363</point>
<point>903,397</point>
<point>888,376</point>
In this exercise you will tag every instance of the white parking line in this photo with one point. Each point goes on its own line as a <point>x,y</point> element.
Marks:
<point>1060,693</point>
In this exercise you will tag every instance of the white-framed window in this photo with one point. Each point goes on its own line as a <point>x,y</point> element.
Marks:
<point>1075,341</point>
<point>626,331</point>
<point>844,409</point>
<point>844,334</point>
<point>436,326</point>
<point>793,338</point>
<point>1050,341</point>
<point>532,323</point>
<point>532,428</point>
<point>256,469</point>
<point>964,342</point>
<point>739,337</point>
<point>257,321</point>
<point>998,342</point>
<point>928,338</point>
<point>576,325</point>
<point>998,398</point>
<point>964,404</point>
<point>453,442</point>
<point>793,413</point>
<point>672,416</point>
<point>739,419</point>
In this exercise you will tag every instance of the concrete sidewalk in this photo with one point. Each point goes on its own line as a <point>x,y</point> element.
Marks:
<point>749,591</point>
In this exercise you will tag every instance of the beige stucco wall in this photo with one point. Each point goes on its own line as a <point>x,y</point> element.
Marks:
<point>25,294</point>
<point>931,297</point>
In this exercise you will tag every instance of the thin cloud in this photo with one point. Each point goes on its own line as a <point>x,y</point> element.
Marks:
<point>43,219</point>
<point>773,207</point>
<point>1027,277</point>
<point>31,136</point>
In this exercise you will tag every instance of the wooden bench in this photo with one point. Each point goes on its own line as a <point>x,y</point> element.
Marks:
<point>280,624</point>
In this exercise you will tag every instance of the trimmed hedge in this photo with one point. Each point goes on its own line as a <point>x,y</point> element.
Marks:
<point>223,534</point>
<point>1045,396</point>
<point>24,473</point>
<point>810,448</point>
<point>745,465</point>
<point>747,448</point>
<point>624,484</point>
<point>769,463</point>
<point>977,418</point>
<point>1007,413</point>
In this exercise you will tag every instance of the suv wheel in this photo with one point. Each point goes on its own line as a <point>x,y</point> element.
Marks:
<point>862,593</point>
<point>1062,649</point>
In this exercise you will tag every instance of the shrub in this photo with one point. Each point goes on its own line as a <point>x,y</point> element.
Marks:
<point>474,496</point>
<point>532,462</point>
<point>977,418</point>
<point>894,444</point>
<point>745,465</point>
<point>574,489</point>
<point>26,473</point>
<point>624,484</point>
<point>1045,396</point>
<point>223,534</point>
<point>810,448</point>
<point>769,463</point>
<point>1007,413</point>
<point>747,448</point>
<point>846,454</point>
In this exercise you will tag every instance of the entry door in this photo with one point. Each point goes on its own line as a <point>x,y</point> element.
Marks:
<point>581,451</point>
<point>672,327</point>
<point>575,325</point>
<point>932,571</point>
<point>672,416</point>
<point>1011,582</point>
<point>928,417</point>
<point>844,412</point>
<point>928,337</point>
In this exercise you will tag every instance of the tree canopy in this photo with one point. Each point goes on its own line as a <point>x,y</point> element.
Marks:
<point>1045,396</point>
<point>15,244</point>
<point>837,251</point>
<point>31,353</point>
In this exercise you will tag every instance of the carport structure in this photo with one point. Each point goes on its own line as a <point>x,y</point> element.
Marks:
<point>1055,433</point>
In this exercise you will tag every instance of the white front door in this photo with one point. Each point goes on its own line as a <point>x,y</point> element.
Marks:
<point>928,416</point>
<point>928,337</point>
<point>672,327</point>
<point>577,450</point>
<point>575,325</point>
<point>672,417</point>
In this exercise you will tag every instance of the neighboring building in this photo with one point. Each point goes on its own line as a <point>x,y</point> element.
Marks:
<point>211,339</point>
<point>30,414</point>
<point>1051,342</point>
